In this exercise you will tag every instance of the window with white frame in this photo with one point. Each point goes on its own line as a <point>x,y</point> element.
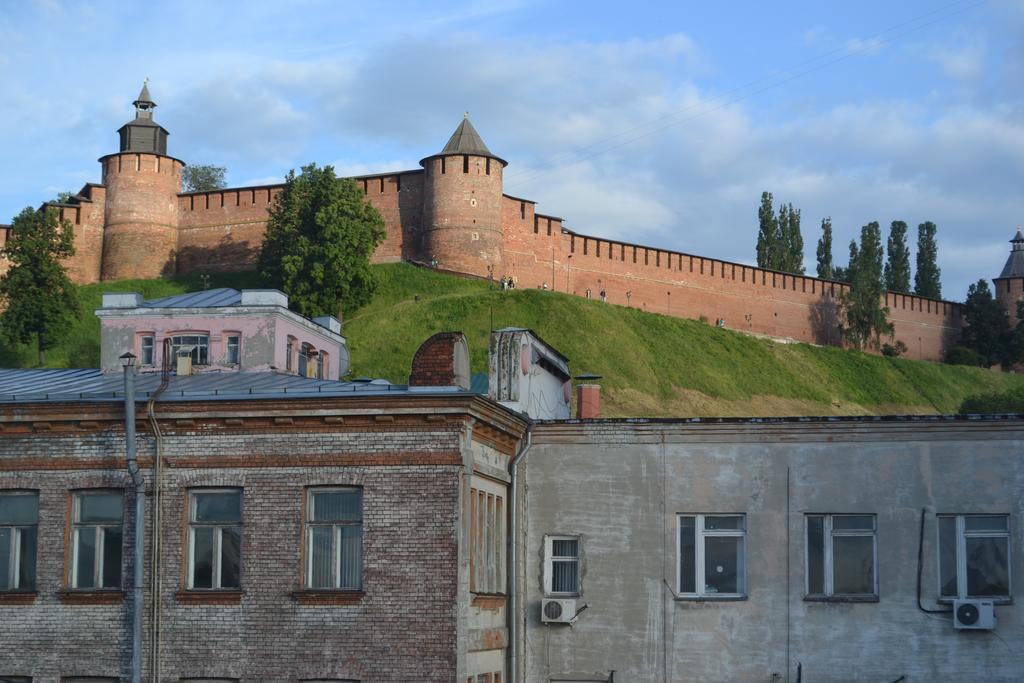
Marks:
<point>215,539</point>
<point>974,556</point>
<point>19,521</point>
<point>233,348</point>
<point>562,565</point>
<point>334,538</point>
<point>842,556</point>
<point>195,345</point>
<point>712,555</point>
<point>97,519</point>
<point>146,349</point>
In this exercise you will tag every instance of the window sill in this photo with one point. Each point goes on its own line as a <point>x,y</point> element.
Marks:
<point>18,597</point>
<point>73,596</point>
<point>711,598</point>
<point>327,597</point>
<point>995,601</point>
<point>841,598</point>
<point>211,597</point>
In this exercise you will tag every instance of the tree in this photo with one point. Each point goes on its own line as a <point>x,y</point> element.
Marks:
<point>897,262</point>
<point>203,178</point>
<point>926,279</point>
<point>63,197</point>
<point>320,235</point>
<point>767,234</point>
<point>791,242</point>
<point>825,268</point>
<point>987,332</point>
<point>38,297</point>
<point>866,320</point>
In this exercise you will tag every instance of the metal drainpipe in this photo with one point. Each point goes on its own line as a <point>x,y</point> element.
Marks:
<point>140,519</point>
<point>155,550</point>
<point>513,557</point>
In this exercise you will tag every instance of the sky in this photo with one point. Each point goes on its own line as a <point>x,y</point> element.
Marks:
<point>657,123</point>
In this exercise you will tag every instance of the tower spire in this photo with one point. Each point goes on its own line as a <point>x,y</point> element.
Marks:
<point>143,134</point>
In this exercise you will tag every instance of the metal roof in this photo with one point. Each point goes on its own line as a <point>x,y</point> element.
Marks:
<point>60,385</point>
<point>210,298</point>
<point>144,95</point>
<point>1015,263</point>
<point>465,140</point>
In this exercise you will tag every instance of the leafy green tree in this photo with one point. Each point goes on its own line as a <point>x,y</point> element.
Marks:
<point>866,320</point>
<point>767,233</point>
<point>825,268</point>
<point>791,242</point>
<point>203,178</point>
<point>38,297</point>
<point>926,279</point>
<point>64,197</point>
<point>897,262</point>
<point>321,233</point>
<point>987,331</point>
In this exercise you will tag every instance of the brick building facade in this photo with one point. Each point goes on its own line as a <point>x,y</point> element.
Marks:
<point>453,212</point>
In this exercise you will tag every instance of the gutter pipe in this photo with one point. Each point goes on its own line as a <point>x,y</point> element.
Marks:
<point>155,550</point>
<point>140,519</point>
<point>513,556</point>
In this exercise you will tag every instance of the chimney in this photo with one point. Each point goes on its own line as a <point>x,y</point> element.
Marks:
<point>441,361</point>
<point>588,397</point>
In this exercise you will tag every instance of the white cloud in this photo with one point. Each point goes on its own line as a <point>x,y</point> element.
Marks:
<point>865,46</point>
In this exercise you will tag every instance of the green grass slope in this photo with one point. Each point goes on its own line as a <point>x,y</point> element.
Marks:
<point>652,365</point>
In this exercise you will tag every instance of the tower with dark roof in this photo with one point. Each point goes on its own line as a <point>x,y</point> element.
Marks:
<point>143,134</point>
<point>1009,285</point>
<point>462,196</point>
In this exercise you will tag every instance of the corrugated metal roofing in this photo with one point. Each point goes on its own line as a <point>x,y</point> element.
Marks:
<point>223,296</point>
<point>32,386</point>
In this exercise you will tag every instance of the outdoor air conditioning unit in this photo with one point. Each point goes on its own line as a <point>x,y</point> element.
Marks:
<point>557,610</point>
<point>974,614</point>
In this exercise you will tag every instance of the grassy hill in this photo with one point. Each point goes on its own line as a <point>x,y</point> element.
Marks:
<point>653,365</point>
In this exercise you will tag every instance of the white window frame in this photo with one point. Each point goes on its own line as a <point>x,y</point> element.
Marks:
<point>699,535</point>
<point>238,348</point>
<point>962,534</point>
<point>550,559</point>
<point>202,341</point>
<point>335,539</point>
<point>218,536</point>
<point>144,349</point>
<point>16,549</point>
<point>828,568</point>
<point>99,529</point>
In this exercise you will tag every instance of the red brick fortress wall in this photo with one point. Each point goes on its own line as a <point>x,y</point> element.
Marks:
<point>222,230</point>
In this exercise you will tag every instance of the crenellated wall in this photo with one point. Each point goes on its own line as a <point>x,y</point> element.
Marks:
<point>222,230</point>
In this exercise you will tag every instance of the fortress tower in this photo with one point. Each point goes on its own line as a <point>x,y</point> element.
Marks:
<point>1009,285</point>
<point>462,196</point>
<point>142,186</point>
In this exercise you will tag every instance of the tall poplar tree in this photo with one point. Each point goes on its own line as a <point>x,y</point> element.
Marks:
<point>791,251</point>
<point>767,240</point>
<point>825,267</point>
<point>866,320</point>
<point>926,279</point>
<point>897,263</point>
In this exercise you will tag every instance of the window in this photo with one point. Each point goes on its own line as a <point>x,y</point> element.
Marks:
<point>232,349</point>
<point>974,556</point>
<point>97,518</point>
<point>487,542</point>
<point>712,555</point>
<point>841,555</point>
<point>19,518</point>
<point>307,355</point>
<point>334,539</point>
<point>198,346</point>
<point>215,539</point>
<point>146,350</point>
<point>323,370</point>
<point>289,354</point>
<point>562,565</point>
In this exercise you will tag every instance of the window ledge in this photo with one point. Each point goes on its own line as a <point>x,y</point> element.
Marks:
<point>210,597</point>
<point>18,597</point>
<point>73,596</point>
<point>995,601</point>
<point>710,598</point>
<point>841,598</point>
<point>327,597</point>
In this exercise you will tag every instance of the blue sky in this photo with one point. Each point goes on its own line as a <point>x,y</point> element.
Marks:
<point>654,122</point>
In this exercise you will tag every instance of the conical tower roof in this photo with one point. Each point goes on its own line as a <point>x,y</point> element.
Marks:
<point>465,140</point>
<point>1015,264</point>
<point>144,97</point>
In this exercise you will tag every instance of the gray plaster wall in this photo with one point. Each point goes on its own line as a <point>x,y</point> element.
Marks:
<point>621,484</point>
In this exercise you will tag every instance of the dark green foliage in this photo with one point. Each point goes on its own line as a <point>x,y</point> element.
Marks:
<point>961,355</point>
<point>897,262</point>
<point>926,279</point>
<point>767,233</point>
<point>63,197</point>
<point>865,319</point>
<point>38,297</point>
<point>321,233</point>
<point>826,269</point>
<point>987,331</point>
<point>203,178</point>
<point>791,242</point>
<point>1011,401</point>
<point>840,273</point>
<point>894,350</point>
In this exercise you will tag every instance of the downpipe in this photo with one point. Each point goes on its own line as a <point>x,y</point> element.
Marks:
<point>513,557</point>
<point>140,520</point>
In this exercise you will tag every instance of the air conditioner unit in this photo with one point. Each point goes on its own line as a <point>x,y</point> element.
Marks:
<point>557,610</point>
<point>974,614</point>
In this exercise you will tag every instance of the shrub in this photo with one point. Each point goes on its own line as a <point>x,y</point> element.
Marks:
<point>961,355</point>
<point>894,350</point>
<point>1011,401</point>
